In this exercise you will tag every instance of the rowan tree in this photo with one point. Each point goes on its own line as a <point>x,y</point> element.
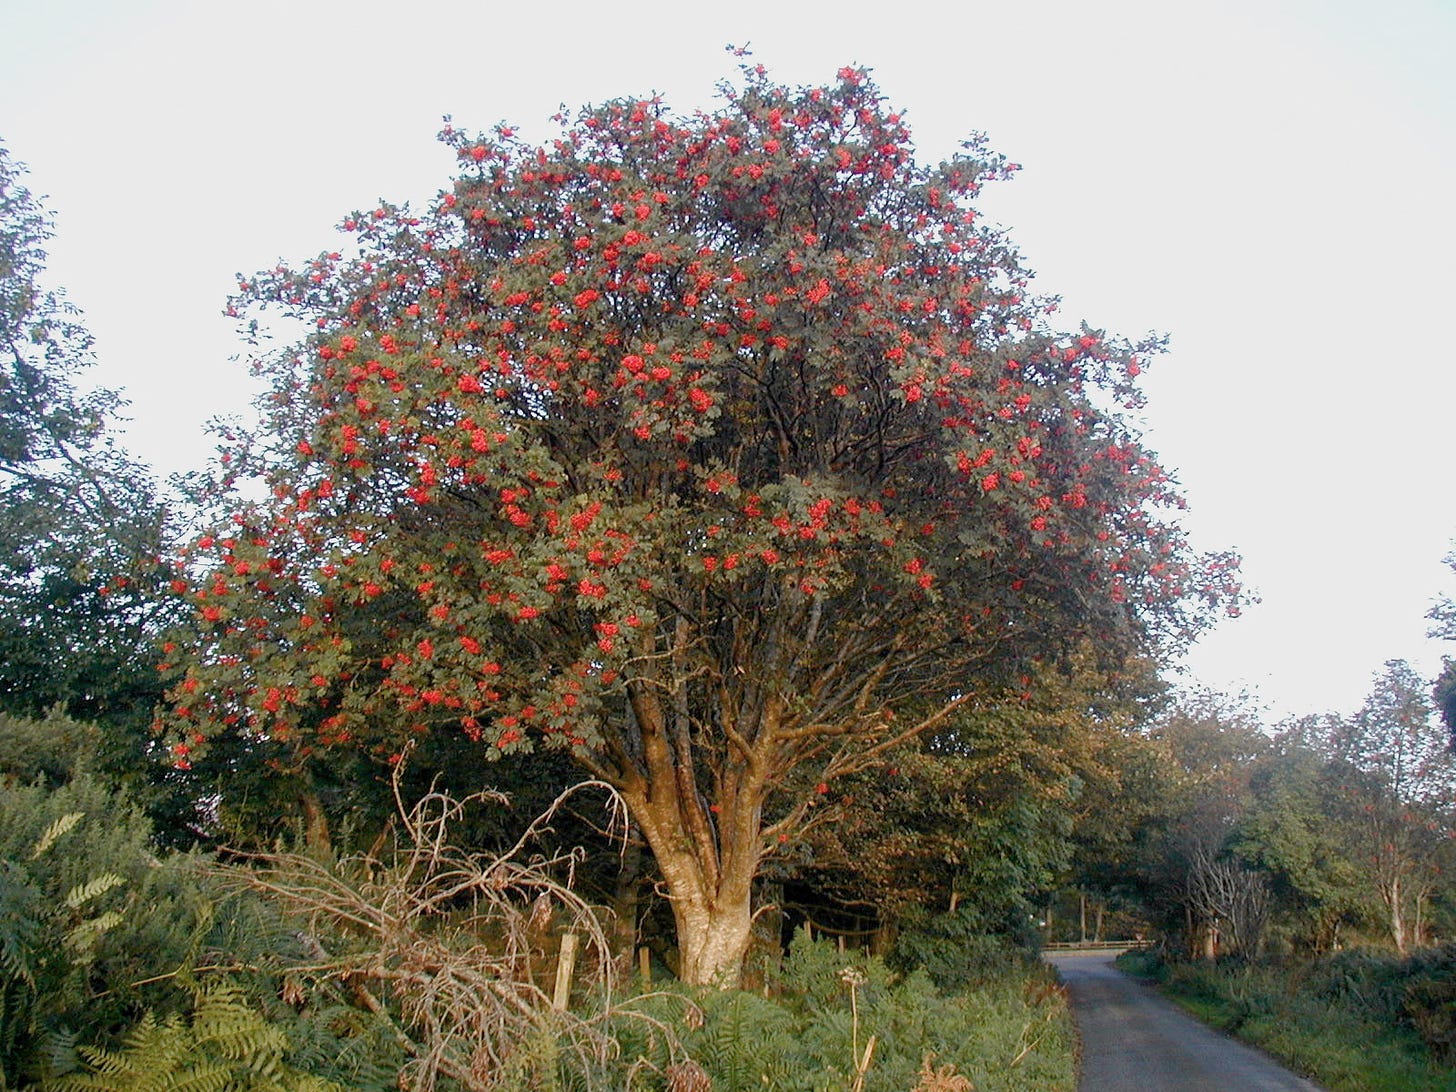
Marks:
<point>726,451</point>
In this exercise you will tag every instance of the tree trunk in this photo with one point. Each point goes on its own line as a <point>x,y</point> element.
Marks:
<point>709,886</point>
<point>712,942</point>
<point>1397,916</point>
<point>707,838</point>
<point>315,823</point>
<point>625,898</point>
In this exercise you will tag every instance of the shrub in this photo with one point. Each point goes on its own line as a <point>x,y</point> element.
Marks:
<point>1428,1000</point>
<point>74,863</point>
<point>1364,981</point>
<point>1143,963</point>
<point>224,1043</point>
<point>845,1021</point>
<point>1357,1020</point>
<point>957,955</point>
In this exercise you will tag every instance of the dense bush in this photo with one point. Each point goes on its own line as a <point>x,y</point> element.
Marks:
<point>1428,1000</point>
<point>958,956</point>
<point>118,962</point>
<point>1355,1020</point>
<point>1144,963</point>
<point>75,868</point>
<point>1418,991</point>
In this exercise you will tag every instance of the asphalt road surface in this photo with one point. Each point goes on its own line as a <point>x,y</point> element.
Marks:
<point>1135,1041</point>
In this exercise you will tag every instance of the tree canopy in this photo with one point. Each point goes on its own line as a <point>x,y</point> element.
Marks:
<point>1323,831</point>
<point>724,451</point>
<point>81,527</point>
<point>1443,624</point>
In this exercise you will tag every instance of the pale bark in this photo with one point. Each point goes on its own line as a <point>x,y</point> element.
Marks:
<point>700,748</point>
<point>1393,896</point>
<point>1227,897</point>
<point>1208,948</point>
<point>713,919</point>
<point>709,881</point>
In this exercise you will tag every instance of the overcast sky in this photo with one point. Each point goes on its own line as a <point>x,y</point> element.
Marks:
<point>1270,183</point>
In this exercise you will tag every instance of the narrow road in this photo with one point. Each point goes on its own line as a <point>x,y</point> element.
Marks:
<point>1135,1041</point>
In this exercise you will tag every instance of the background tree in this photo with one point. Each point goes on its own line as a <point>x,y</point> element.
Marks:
<point>1122,780</point>
<point>1443,625</point>
<point>1195,887</point>
<point>1332,830</point>
<point>977,830</point>
<point>1444,694</point>
<point>727,452</point>
<point>81,527</point>
<point>975,816</point>
<point>1397,777</point>
<point>1291,830</point>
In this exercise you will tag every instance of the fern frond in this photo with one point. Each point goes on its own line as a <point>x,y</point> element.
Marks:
<point>212,1079</point>
<point>57,1050</point>
<point>84,936</point>
<point>238,1032</point>
<point>54,832</point>
<point>148,1052</point>
<point>83,893</point>
<point>355,1048</point>
<point>225,1047</point>
<point>19,927</point>
<point>743,1041</point>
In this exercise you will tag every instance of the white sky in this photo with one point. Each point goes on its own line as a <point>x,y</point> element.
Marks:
<point>1271,183</point>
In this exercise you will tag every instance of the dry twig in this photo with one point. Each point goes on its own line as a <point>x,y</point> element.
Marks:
<point>448,945</point>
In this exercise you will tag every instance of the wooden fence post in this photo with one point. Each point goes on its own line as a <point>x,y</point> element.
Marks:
<point>565,966</point>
